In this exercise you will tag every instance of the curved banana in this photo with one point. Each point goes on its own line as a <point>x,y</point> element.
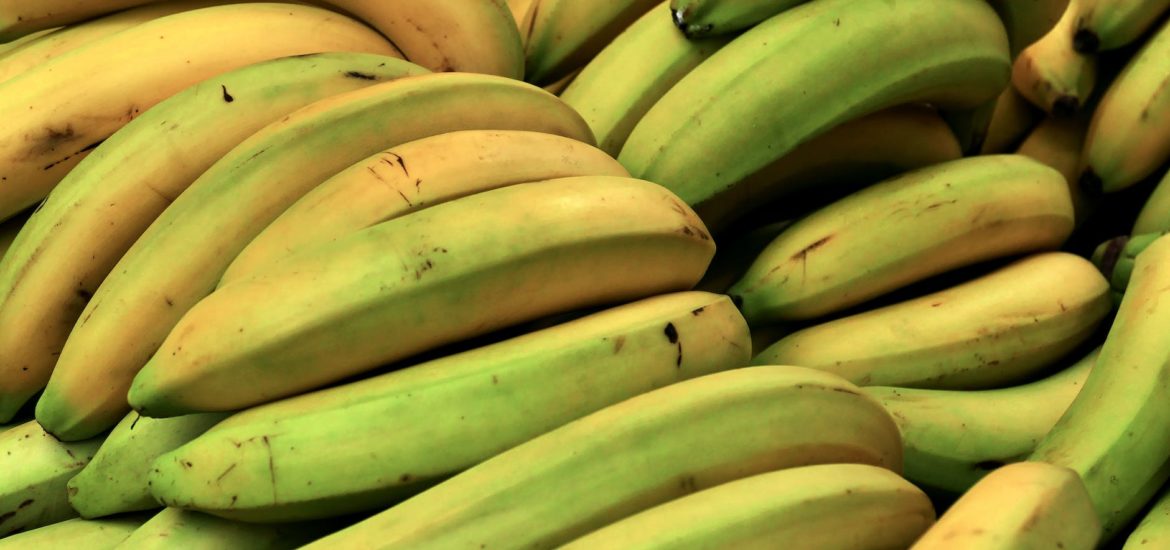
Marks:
<point>1051,74</point>
<point>953,438</point>
<point>1112,434</point>
<point>784,82</point>
<point>1021,505</point>
<point>21,17</point>
<point>1129,135</point>
<point>987,332</point>
<point>562,35</point>
<point>173,528</point>
<point>1153,531</point>
<point>417,175</point>
<point>626,78</point>
<point>802,508</point>
<point>1057,142</point>
<point>488,397</point>
<point>36,467</point>
<point>99,209</point>
<point>471,36</point>
<point>1110,24</point>
<point>703,18</point>
<point>150,288</point>
<point>1155,213</point>
<point>1011,122</point>
<point>1027,21</point>
<point>903,230</point>
<point>115,480</point>
<point>639,453</point>
<point>77,533</point>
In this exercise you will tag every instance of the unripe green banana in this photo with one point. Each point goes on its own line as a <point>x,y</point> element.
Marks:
<point>90,534</point>
<point>115,480</point>
<point>903,230</point>
<point>1111,24</point>
<point>802,508</point>
<point>793,77</point>
<point>1024,506</point>
<point>702,18</point>
<point>636,454</point>
<point>1113,434</point>
<point>35,469</point>
<point>1154,529</point>
<point>985,333</point>
<point>173,528</point>
<point>1155,213</point>
<point>445,415</point>
<point>562,35</point>
<point>953,438</point>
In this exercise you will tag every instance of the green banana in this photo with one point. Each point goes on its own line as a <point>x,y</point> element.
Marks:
<point>802,508</point>
<point>491,398</point>
<point>636,454</point>
<point>36,467</point>
<point>171,267</point>
<point>953,438</point>
<point>1112,434</point>
<point>1117,256</point>
<point>1155,213</point>
<point>1110,24</point>
<point>1154,529</point>
<point>795,76</point>
<point>703,18</point>
<point>1021,506</point>
<point>905,229</point>
<point>174,528</point>
<point>987,332</point>
<point>115,480</point>
<point>626,78</point>
<point>561,35</point>
<point>91,534</point>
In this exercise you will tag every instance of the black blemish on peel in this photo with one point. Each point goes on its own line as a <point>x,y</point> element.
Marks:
<point>227,98</point>
<point>671,333</point>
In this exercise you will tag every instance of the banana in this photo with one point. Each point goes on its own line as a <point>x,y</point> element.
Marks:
<point>987,332</point>
<point>652,49</point>
<point>174,528</point>
<point>562,35</point>
<point>856,153</point>
<point>952,439</point>
<point>1023,505</point>
<point>491,399</point>
<point>473,36</point>
<point>519,8</point>
<point>22,17</point>
<point>414,176</point>
<point>1027,21</point>
<point>1154,529</point>
<point>437,276</point>
<point>148,290</point>
<point>636,454</point>
<point>1155,213</point>
<point>795,76</point>
<point>1011,122</point>
<point>1112,434</point>
<point>1129,135</point>
<point>970,126</point>
<point>115,480</point>
<point>1117,256</point>
<point>9,47</point>
<point>704,18</point>
<point>96,534</point>
<point>1057,142</point>
<point>802,508</point>
<point>52,123</point>
<point>1051,74</point>
<point>36,467</point>
<point>99,209</point>
<point>903,230</point>
<point>1110,24</point>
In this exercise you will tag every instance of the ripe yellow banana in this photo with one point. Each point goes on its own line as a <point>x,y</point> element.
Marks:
<point>172,528</point>
<point>35,469</point>
<point>51,123</point>
<point>636,454</point>
<point>985,333</point>
<point>1011,122</point>
<point>903,230</point>
<point>474,36</point>
<point>170,267</point>
<point>21,17</point>
<point>9,47</point>
<point>622,82</point>
<point>414,176</point>
<point>953,438</point>
<point>115,480</point>
<point>1051,74</point>
<point>1154,529</point>
<point>77,533</point>
<point>1129,135</point>
<point>99,209</point>
<point>1113,434</point>
<point>1027,21</point>
<point>703,18</point>
<point>802,508</point>
<point>793,77</point>
<point>491,399</point>
<point>1057,142</point>
<point>1023,505</point>
<point>1155,213</point>
<point>1111,24</point>
<point>562,35</point>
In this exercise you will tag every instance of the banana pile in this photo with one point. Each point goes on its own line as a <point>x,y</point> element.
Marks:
<point>468,274</point>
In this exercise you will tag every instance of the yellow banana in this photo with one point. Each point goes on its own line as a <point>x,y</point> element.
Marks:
<point>519,8</point>
<point>903,230</point>
<point>1057,142</point>
<point>173,528</point>
<point>1024,505</point>
<point>703,18</point>
<point>1111,24</point>
<point>562,35</point>
<point>1027,21</point>
<point>77,533</point>
<point>1051,74</point>
<point>148,290</point>
<point>21,17</point>
<point>9,47</point>
<point>1154,529</point>
<point>36,468</point>
<point>97,212</point>
<point>1011,122</point>
<point>1155,213</point>
<point>987,332</point>
<point>802,508</point>
<point>414,176</point>
<point>636,454</point>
